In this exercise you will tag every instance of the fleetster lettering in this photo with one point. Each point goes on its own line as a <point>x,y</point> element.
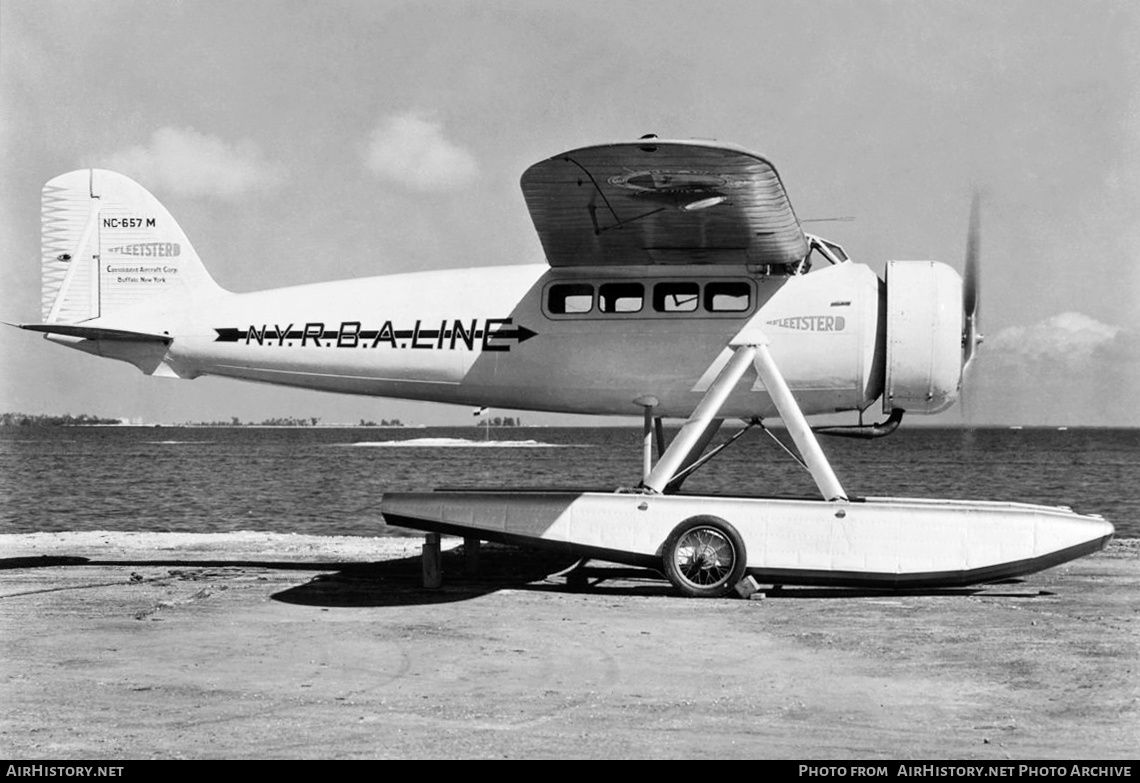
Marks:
<point>811,323</point>
<point>156,249</point>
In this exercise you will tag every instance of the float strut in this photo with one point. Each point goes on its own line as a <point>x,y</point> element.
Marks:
<point>695,427</point>
<point>797,425</point>
<point>748,349</point>
<point>695,456</point>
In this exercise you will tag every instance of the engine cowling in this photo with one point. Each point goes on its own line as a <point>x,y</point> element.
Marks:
<point>923,342</point>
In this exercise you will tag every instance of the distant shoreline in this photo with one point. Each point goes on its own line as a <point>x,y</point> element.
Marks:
<point>612,425</point>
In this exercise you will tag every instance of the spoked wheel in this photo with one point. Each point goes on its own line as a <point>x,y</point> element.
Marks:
<point>704,557</point>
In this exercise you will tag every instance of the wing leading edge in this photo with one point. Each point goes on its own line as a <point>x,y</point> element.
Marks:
<point>662,202</point>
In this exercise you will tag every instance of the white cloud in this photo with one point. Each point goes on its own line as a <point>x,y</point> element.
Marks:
<point>184,161</point>
<point>1067,369</point>
<point>411,150</point>
<point>1067,338</point>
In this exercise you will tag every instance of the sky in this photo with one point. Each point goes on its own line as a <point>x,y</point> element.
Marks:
<point>299,142</point>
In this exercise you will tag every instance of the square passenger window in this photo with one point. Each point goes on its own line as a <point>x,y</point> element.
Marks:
<point>676,297</point>
<point>621,297</point>
<point>569,298</point>
<point>727,297</point>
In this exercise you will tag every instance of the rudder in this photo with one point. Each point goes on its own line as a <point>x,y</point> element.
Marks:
<point>108,244</point>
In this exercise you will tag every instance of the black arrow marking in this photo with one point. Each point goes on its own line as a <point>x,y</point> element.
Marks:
<point>521,333</point>
<point>232,335</point>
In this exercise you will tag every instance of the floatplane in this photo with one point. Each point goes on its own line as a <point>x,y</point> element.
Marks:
<point>678,284</point>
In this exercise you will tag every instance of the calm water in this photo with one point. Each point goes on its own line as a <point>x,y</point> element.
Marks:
<point>329,481</point>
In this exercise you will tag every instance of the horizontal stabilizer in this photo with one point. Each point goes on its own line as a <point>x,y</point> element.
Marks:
<point>95,333</point>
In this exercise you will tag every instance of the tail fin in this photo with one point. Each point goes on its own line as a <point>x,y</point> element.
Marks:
<point>107,245</point>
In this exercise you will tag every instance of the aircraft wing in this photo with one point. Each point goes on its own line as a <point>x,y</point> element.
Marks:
<point>662,202</point>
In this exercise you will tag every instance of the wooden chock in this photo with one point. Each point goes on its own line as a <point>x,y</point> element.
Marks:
<point>748,588</point>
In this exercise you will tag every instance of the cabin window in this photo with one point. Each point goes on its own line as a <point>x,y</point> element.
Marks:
<point>728,297</point>
<point>676,297</point>
<point>621,297</point>
<point>569,298</point>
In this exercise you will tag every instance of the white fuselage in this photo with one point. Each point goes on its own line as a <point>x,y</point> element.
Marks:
<point>536,338</point>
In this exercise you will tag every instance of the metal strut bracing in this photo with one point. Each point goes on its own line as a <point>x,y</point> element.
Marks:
<point>702,424</point>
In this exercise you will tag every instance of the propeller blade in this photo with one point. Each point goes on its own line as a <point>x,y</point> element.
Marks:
<point>973,250</point>
<point>971,282</point>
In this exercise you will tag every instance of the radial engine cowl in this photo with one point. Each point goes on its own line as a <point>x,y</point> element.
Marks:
<point>923,336</point>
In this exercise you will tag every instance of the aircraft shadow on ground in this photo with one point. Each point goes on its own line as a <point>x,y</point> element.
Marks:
<point>399,582</point>
<point>359,584</point>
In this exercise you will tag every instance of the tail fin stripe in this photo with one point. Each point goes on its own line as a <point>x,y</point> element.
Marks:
<point>81,265</point>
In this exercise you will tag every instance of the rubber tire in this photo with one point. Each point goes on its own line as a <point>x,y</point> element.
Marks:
<point>722,586</point>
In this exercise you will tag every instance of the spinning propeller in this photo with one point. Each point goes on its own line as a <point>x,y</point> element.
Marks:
<point>971,286</point>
